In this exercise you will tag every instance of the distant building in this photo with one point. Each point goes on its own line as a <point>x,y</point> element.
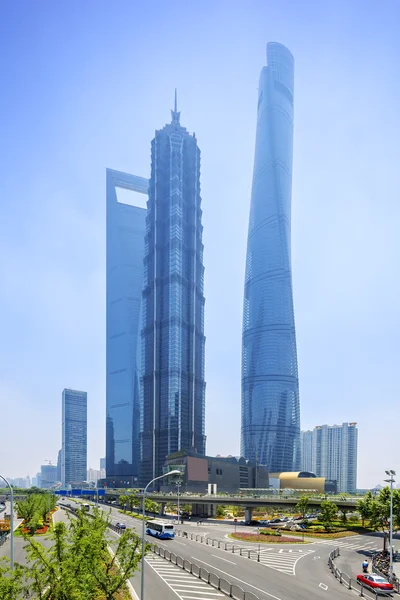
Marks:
<point>302,481</point>
<point>95,474</point>
<point>103,463</point>
<point>59,461</point>
<point>48,476</point>
<point>306,450</point>
<point>229,474</point>
<point>334,454</point>
<point>74,436</point>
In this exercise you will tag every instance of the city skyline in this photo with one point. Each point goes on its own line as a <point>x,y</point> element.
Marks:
<point>98,101</point>
<point>270,424</point>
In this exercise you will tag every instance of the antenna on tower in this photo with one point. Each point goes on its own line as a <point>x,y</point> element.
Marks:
<point>175,114</point>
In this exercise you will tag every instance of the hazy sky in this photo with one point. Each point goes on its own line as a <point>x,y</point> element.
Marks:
<point>84,86</point>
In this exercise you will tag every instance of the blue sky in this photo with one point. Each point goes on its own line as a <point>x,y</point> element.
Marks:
<point>85,85</point>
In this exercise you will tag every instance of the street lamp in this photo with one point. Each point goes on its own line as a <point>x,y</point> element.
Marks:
<point>391,475</point>
<point>11,521</point>
<point>174,472</point>
<point>178,485</point>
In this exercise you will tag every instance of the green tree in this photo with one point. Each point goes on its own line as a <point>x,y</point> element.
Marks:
<point>328,513</point>
<point>11,582</point>
<point>364,507</point>
<point>78,565</point>
<point>220,511</point>
<point>151,506</point>
<point>123,500</point>
<point>134,501</point>
<point>302,506</point>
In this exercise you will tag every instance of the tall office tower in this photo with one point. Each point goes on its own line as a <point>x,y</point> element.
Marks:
<point>59,461</point>
<point>270,425</point>
<point>335,454</point>
<point>125,224</point>
<point>173,341</point>
<point>74,437</point>
<point>306,450</point>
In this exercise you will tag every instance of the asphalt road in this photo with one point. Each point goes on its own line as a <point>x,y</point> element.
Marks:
<point>285,572</point>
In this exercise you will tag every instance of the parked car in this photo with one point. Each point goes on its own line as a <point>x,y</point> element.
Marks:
<point>374,582</point>
<point>275,520</point>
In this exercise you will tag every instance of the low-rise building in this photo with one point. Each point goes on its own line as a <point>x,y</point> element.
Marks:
<point>220,474</point>
<point>302,481</point>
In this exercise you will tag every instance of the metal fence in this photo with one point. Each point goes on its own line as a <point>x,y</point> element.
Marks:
<point>223,585</point>
<point>228,546</point>
<point>3,538</point>
<point>348,581</point>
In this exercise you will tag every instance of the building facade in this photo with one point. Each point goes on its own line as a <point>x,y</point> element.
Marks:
<point>125,230</point>
<point>306,450</point>
<point>330,451</point>
<point>270,420</point>
<point>229,474</point>
<point>335,454</point>
<point>74,437</point>
<point>48,476</point>
<point>173,342</point>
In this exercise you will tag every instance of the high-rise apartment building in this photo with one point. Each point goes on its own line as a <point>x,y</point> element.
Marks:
<point>125,224</point>
<point>74,437</point>
<point>306,450</point>
<point>333,454</point>
<point>173,341</point>
<point>270,427</point>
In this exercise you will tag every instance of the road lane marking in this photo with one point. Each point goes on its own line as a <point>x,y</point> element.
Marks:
<point>225,559</point>
<point>181,543</point>
<point>237,578</point>
<point>323,586</point>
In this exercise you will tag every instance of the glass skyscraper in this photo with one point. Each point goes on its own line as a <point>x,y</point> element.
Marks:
<point>173,341</point>
<point>270,420</point>
<point>74,437</point>
<point>124,271</point>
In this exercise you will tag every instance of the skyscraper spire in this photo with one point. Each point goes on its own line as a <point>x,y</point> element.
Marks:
<point>174,113</point>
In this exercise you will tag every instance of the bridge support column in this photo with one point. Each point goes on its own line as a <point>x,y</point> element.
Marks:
<point>248,513</point>
<point>162,508</point>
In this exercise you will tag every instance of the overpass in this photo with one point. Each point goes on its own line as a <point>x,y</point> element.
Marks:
<point>206,504</point>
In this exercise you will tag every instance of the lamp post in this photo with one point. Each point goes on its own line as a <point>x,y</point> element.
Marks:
<point>391,475</point>
<point>175,472</point>
<point>178,485</point>
<point>11,521</point>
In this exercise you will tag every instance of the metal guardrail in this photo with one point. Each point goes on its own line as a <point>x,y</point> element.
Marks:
<point>348,581</point>
<point>219,583</point>
<point>3,538</point>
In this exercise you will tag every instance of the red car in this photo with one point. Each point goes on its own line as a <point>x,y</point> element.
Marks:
<point>375,582</point>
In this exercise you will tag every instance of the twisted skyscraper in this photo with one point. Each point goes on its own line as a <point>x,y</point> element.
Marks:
<point>270,427</point>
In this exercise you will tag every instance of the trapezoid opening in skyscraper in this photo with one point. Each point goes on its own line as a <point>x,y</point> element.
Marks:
<point>270,419</point>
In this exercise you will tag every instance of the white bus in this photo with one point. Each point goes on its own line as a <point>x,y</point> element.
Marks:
<point>160,530</point>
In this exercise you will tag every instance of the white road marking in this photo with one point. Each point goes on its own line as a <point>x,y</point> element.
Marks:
<point>323,586</point>
<point>181,543</point>
<point>237,579</point>
<point>225,559</point>
<point>189,587</point>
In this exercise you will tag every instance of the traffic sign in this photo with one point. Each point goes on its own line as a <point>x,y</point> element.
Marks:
<point>235,520</point>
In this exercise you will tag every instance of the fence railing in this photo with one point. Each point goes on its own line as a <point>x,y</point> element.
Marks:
<point>228,546</point>
<point>219,583</point>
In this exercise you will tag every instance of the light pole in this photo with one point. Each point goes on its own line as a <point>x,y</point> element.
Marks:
<point>391,475</point>
<point>175,472</point>
<point>11,521</point>
<point>178,485</point>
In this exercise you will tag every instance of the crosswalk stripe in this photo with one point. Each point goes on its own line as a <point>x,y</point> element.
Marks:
<point>184,585</point>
